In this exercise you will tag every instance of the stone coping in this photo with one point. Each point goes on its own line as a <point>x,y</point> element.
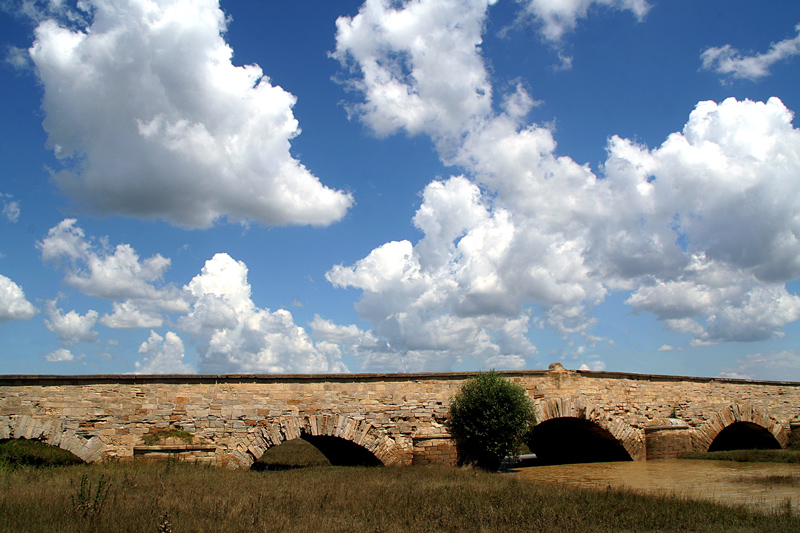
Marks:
<point>660,424</point>
<point>431,436</point>
<point>648,429</point>
<point>133,379</point>
<point>175,448</point>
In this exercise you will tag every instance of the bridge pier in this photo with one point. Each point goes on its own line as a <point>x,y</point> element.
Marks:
<point>794,433</point>
<point>667,438</point>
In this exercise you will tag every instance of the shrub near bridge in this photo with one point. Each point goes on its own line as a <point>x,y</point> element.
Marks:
<point>490,416</point>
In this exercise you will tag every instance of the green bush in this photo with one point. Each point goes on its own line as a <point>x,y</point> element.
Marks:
<point>490,417</point>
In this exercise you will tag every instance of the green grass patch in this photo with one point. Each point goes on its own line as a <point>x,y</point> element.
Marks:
<point>15,453</point>
<point>748,456</point>
<point>143,497</point>
<point>295,453</point>
<point>159,436</point>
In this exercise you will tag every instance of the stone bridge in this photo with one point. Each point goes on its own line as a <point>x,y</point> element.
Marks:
<point>389,419</point>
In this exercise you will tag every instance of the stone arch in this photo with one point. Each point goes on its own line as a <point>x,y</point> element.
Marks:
<point>355,430</point>
<point>629,437</point>
<point>52,431</point>
<point>749,413</point>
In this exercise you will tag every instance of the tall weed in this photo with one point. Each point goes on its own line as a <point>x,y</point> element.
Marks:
<point>87,503</point>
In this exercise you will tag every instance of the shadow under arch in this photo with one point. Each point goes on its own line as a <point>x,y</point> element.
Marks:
<point>567,440</point>
<point>342,439</point>
<point>88,448</point>
<point>577,418</point>
<point>341,452</point>
<point>740,425</point>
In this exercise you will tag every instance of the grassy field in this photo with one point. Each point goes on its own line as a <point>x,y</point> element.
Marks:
<point>772,480</point>
<point>151,497</point>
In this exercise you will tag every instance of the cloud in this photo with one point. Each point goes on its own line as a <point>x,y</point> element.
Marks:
<point>729,61</point>
<point>11,208</point>
<point>702,231</point>
<point>721,194</point>
<point>118,274</point>
<point>777,366</point>
<point>150,119</point>
<point>594,366</point>
<point>60,356</point>
<point>163,355</point>
<point>17,58</point>
<point>373,353</point>
<point>556,18</point>
<point>13,304</point>
<point>666,348</point>
<point>70,328</point>
<point>234,335</point>
<point>442,301</point>
<point>39,10</point>
<point>129,315</point>
<point>418,66</point>
<point>215,308</point>
<point>666,223</point>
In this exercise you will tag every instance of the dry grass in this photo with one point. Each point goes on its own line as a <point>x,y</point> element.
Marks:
<point>150,497</point>
<point>144,496</point>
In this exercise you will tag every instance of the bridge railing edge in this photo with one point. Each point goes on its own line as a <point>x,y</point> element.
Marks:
<point>66,379</point>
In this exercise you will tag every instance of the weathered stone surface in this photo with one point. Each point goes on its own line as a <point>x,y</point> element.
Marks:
<point>400,418</point>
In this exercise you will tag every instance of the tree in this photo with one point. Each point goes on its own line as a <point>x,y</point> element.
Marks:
<point>489,417</point>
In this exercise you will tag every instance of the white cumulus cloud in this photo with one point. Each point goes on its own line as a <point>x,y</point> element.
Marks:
<point>115,274</point>
<point>151,119</point>
<point>163,355</point>
<point>10,208</point>
<point>71,327</point>
<point>59,356</point>
<point>442,301</point>
<point>129,315</point>
<point>556,18</point>
<point>702,231</point>
<point>13,304</point>
<point>418,64</point>
<point>594,366</point>
<point>779,366</point>
<point>234,335</point>
<point>729,61</point>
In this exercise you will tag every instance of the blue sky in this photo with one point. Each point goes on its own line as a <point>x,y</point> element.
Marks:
<point>299,187</point>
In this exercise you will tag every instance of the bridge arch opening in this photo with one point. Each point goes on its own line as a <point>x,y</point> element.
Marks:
<point>290,454</point>
<point>744,426</point>
<point>52,431</point>
<point>341,440</point>
<point>566,440</point>
<point>311,450</point>
<point>342,452</point>
<point>744,436</point>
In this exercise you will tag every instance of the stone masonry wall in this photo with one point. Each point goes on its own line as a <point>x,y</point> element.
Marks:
<point>401,418</point>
